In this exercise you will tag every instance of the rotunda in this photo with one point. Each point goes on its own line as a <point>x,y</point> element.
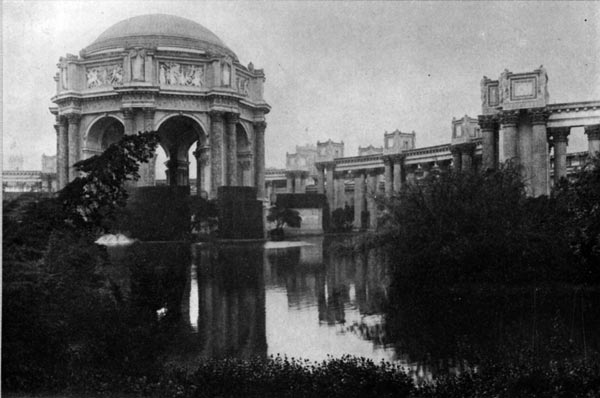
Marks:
<point>169,74</point>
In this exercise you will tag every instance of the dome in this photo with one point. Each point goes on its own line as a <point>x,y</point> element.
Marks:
<point>159,30</point>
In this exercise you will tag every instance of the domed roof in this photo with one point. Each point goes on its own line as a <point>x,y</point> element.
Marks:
<point>162,30</point>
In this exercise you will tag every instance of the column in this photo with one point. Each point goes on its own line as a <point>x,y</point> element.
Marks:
<point>321,179</point>
<point>217,163</point>
<point>397,185</point>
<point>73,151</point>
<point>539,153</point>
<point>259,157</point>
<point>232,174</point>
<point>298,186</point>
<point>560,141</point>
<point>510,146</point>
<point>340,190</point>
<point>359,198</point>
<point>371,198</point>
<point>198,155</point>
<point>62,152</point>
<point>467,151</point>
<point>488,150</point>
<point>593,133</point>
<point>147,169</point>
<point>128,121</point>
<point>387,164</point>
<point>330,188</point>
<point>289,176</point>
<point>456,159</point>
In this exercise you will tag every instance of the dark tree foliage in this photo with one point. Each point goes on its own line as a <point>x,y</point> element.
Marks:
<point>282,216</point>
<point>472,227</point>
<point>580,199</point>
<point>92,198</point>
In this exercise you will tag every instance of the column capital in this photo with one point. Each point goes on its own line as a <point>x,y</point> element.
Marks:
<point>395,158</point>
<point>487,122</point>
<point>509,118</point>
<point>260,126</point>
<point>127,113</point>
<point>217,115</point>
<point>559,134</point>
<point>593,132</point>
<point>538,115</point>
<point>73,118</point>
<point>232,118</point>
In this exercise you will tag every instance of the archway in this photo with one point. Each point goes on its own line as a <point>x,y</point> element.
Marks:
<point>101,134</point>
<point>177,135</point>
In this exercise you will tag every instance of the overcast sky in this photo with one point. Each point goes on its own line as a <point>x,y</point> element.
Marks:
<point>341,70</point>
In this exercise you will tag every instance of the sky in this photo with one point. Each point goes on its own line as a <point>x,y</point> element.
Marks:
<point>334,70</point>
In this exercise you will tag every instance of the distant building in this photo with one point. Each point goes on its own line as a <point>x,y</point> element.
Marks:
<point>15,180</point>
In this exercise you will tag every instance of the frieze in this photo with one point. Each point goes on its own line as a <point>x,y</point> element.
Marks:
<point>176,74</point>
<point>105,75</point>
<point>101,106</point>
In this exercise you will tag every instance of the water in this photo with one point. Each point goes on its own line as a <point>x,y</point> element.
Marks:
<point>303,300</point>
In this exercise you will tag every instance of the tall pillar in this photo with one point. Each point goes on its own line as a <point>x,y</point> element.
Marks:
<point>488,150</point>
<point>359,198</point>
<point>456,159</point>
<point>467,152</point>
<point>340,190</point>
<point>321,179</point>
<point>147,169</point>
<point>298,185</point>
<point>199,168</point>
<point>62,152</point>
<point>73,151</point>
<point>289,177</point>
<point>259,158</point>
<point>387,163</point>
<point>510,146</point>
<point>330,189</point>
<point>560,141</point>
<point>397,185</point>
<point>232,173</point>
<point>128,121</point>
<point>593,133</point>
<point>539,153</point>
<point>371,198</point>
<point>217,152</point>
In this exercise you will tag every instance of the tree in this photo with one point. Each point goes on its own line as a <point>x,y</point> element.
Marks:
<point>282,216</point>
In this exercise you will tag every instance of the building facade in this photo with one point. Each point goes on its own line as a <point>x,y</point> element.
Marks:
<point>172,75</point>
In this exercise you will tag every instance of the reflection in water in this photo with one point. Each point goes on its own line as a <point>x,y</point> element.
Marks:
<point>305,301</point>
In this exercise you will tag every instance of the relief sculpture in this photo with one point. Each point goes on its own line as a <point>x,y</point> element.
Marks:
<point>108,75</point>
<point>174,74</point>
<point>242,86</point>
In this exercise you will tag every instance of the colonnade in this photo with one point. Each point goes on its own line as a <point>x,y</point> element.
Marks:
<point>526,143</point>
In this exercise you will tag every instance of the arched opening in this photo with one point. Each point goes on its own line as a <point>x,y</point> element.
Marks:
<point>178,134</point>
<point>103,132</point>
<point>245,161</point>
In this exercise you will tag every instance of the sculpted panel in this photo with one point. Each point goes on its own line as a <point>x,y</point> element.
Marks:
<point>242,85</point>
<point>106,75</point>
<point>175,74</point>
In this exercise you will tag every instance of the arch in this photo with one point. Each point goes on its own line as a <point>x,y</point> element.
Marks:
<point>242,138</point>
<point>192,116</point>
<point>177,133</point>
<point>102,132</point>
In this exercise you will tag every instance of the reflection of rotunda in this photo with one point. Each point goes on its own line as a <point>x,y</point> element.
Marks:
<point>169,74</point>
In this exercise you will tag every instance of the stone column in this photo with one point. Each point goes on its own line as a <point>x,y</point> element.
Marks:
<point>321,179</point>
<point>371,198</point>
<point>232,173</point>
<point>359,198</point>
<point>397,185</point>
<point>147,169</point>
<point>330,188</point>
<point>289,176</point>
<point>217,152</point>
<point>467,152</point>
<point>128,121</point>
<point>199,168</point>
<point>340,190</point>
<point>389,183</point>
<point>560,141</point>
<point>62,152</point>
<point>593,133</point>
<point>456,159</point>
<point>539,153</point>
<point>298,186</point>
<point>74,140</point>
<point>510,146</point>
<point>488,150</point>
<point>259,157</point>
